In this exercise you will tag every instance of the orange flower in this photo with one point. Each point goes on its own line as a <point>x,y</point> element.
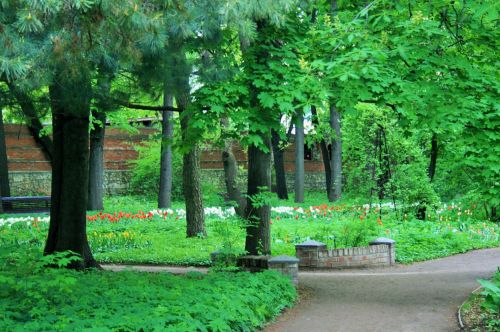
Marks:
<point>379,221</point>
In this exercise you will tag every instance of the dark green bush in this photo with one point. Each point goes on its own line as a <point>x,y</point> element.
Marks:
<point>146,171</point>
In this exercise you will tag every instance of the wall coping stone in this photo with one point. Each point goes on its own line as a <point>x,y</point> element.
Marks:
<point>382,240</point>
<point>310,243</point>
<point>283,259</point>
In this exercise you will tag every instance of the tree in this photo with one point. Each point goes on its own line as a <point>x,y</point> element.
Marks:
<point>231,173</point>
<point>167,135</point>
<point>299,156</point>
<point>97,134</point>
<point>336,155</point>
<point>4,170</point>
<point>32,118</point>
<point>76,36</point>
<point>325,154</point>
<point>279,164</point>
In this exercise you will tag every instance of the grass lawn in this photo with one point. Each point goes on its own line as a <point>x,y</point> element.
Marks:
<point>134,232</point>
<point>131,230</point>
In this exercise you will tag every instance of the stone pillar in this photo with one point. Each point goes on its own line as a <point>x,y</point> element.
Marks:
<point>308,253</point>
<point>287,265</point>
<point>392,247</point>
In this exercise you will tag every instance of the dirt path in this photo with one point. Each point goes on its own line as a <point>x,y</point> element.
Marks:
<point>420,297</point>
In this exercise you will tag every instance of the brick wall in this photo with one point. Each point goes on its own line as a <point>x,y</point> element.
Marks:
<point>29,170</point>
<point>24,154</point>
<point>318,256</point>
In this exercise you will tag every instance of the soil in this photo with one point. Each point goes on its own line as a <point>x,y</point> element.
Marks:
<point>473,317</point>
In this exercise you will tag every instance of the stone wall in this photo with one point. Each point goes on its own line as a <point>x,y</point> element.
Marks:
<point>315,255</point>
<point>117,182</point>
<point>313,180</point>
<point>37,183</point>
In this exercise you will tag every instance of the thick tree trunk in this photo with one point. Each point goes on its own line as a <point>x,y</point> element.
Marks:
<point>70,117</point>
<point>167,134</point>
<point>32,120</point>
<point>258,238</point>
<point>325,154</point>
<point>4,167</point>
<point>231,175</point>
<point>299,157</point>
<point>279,166</point>
<point>258,211</point>
<point>336,158</point>
<point>434,155</point>
<point>96,163</point>
<point>193,197</point>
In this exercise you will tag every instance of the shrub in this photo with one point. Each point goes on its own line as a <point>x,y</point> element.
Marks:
<point>146,171</point>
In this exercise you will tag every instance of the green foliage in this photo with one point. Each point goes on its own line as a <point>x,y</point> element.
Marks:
<point>66,300</point>
<point>229,232</point>
<point>381,157</point>
<point>491,302</point>
<point>146,171</point>
<point>491,294</point>
<point>161,239</point>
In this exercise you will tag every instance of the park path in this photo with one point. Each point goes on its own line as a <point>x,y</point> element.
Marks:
<point>419,297</point>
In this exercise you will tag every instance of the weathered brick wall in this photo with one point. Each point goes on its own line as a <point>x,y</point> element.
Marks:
<point>25,155</point>
<point>29,170</point>
<point>323,258</point>
<point>211,158</point>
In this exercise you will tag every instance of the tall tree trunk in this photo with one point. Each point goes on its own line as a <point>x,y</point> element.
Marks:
<point>4,166</point>
<point>258,212</point>
<point>231,175</point>
<point>258,238</point>
<point>193,197</point>
<point>32,120</point>
<point>70,102</point>
<point>299,157</point>
<point>434,155</point>
<point>279,165</point>
<point>96,162</point>
<point>325,154</point>
<point>167,134</point>
<point>97,135</point>
<point>336,159</point>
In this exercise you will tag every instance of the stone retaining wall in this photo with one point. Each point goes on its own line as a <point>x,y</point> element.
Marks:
<point>315,255</point>
<point>117,182</point>
<point>37,183</point>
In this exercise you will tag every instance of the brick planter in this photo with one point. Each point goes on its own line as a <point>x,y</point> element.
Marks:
<point>315,255</point>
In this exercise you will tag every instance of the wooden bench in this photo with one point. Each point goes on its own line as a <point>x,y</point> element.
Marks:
<point>26,204</point>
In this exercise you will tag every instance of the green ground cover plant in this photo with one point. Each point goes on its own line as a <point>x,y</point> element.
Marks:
<point>158,237</point>
<point>481,312</point>
<point>66,300</point>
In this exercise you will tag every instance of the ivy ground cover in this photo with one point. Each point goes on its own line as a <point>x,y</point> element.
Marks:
<point>158,236</point>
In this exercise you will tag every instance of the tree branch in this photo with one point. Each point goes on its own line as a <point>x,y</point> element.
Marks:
<point>147,108</point>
